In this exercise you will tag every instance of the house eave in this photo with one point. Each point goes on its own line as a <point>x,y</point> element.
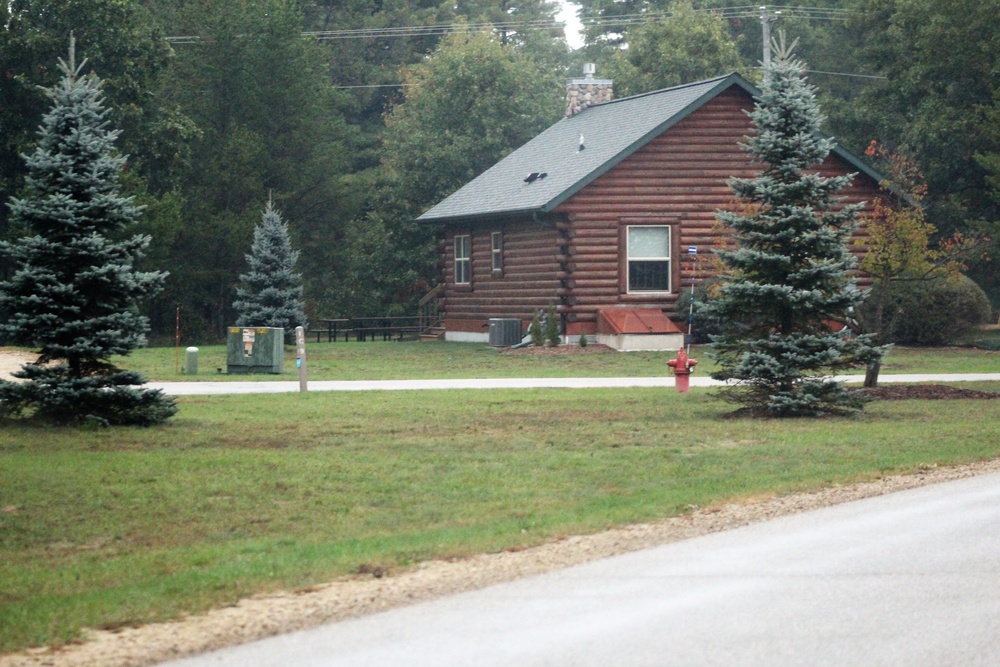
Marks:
<point>486,216</point>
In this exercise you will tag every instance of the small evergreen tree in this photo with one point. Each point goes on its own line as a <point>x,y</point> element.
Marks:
<point>271,291</point>
<point>75,291</point>
<point>535,331</point>
<point>552,327</point>
<point>789,275</point>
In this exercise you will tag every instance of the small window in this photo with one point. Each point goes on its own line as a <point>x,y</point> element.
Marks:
<point>649,258</point>
<point>497,249</point>
<point>463,259</point>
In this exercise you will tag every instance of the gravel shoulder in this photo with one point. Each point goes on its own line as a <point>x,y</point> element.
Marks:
<point>358,595</point>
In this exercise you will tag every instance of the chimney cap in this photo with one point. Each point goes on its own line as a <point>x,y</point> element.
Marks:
<point>589,69</point>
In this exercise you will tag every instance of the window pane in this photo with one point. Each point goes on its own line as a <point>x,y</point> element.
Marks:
<point>461,247</point>
<point>648,276</point>
<point>462,261</point>
<point>648,242</point>
<point>497,251</point>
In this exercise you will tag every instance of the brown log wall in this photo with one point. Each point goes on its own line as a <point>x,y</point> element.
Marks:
<point>530,279</point>
<point>679,178</point>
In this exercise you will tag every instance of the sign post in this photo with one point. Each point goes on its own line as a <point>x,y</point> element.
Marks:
<point>693,253</point>
<point>300,357</point>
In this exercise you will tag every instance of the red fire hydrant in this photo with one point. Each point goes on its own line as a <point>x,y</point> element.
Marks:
<point>682,369</point>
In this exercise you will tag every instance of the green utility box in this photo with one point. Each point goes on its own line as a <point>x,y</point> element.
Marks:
<point>255,350</point>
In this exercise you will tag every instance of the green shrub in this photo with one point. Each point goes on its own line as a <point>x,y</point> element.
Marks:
<point>552,327</point>
<point>535,331</point>
<point>931,312</point>
<point>583,340</point>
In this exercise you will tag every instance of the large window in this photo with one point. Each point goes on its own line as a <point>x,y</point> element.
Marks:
<point>463,259</point>
<point>648,258</point>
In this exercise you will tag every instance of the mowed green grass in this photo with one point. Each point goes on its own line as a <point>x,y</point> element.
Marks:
<point>244,494</point>
<point>414,360</point>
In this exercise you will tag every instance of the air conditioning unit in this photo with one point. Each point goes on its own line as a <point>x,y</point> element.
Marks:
<point>255,350</point>
<point>504,332</point>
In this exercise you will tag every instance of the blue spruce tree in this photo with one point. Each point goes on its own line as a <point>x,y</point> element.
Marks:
<point>270,294</point>
<point>75,291</point>
<point>789,274</point>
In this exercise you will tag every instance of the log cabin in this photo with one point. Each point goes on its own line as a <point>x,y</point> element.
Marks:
<point>597,216</point>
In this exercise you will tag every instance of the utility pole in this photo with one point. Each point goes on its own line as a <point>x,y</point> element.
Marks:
<point>766,20</point>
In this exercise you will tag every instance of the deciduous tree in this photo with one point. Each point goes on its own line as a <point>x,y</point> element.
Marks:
<point>469,104</point>
<point>900,248</point>
<point>687,46</point>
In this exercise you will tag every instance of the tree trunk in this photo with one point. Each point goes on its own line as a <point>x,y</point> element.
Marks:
<point>871,374</point>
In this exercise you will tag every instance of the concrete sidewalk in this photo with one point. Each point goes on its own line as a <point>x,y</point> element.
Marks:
<point>213,388</point>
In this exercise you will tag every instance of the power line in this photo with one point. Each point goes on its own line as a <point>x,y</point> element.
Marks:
<point>859,76</point>
<point>744,11</point>
<point>378,85</point>
<point>437,30</point>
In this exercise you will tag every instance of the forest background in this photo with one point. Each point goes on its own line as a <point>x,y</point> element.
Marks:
<point>355,116</point>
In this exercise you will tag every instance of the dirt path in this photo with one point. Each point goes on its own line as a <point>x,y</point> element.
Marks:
<point>12,360</point>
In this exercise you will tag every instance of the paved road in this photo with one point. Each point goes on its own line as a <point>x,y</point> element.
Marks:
<point>195,388</point>
<point>910,579</point>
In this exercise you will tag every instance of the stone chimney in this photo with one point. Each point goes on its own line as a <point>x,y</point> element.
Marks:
<point>586,92</point>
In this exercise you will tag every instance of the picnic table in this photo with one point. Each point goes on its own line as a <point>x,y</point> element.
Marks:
<point>334,326</point>
<point>368,328</point>
<point>371,328</point>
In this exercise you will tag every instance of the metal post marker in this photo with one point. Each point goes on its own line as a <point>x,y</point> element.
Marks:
<point>300,357</point>
<point>693,252</point>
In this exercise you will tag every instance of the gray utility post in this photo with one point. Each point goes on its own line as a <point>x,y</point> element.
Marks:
<point>766,20</point>
<point>300,358</point>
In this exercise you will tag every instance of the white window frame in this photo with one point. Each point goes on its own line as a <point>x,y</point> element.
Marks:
<point>666,258</point>
<point>463,259</point>
<point>496,251</point>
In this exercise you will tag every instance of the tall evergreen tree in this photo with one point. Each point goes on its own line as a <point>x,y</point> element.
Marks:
<point>75,292</point>
<point>271,292</point>
<point>789,274</point>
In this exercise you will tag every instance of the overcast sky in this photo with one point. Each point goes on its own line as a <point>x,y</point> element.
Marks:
<point>568,15</point>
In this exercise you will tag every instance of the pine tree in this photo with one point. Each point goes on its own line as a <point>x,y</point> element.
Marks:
<point>535,330</point>
<point>551,331</point>
<point>789,274</point>
<point>76,291</point>
<point>271,292</point>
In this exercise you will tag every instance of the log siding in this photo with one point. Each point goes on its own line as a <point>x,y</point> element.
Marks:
<point>574,258</point>
<point>678,178</point>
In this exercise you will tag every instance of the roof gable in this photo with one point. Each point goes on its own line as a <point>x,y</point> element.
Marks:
<point>552,167</point>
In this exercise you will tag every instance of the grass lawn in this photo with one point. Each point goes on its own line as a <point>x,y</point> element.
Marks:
<point>244,494</point>
<point>414,360</point>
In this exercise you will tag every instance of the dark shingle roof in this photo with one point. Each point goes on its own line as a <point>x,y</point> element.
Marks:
<point>611,132</point>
